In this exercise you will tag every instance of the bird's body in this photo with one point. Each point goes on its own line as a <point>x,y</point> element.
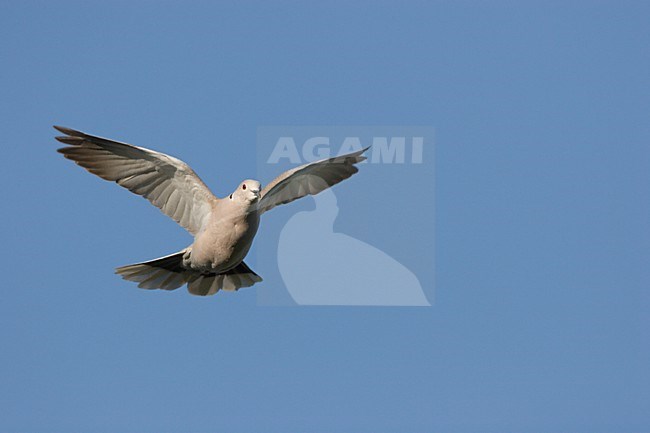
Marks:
<point>227,238</point>
<point>223,228</point>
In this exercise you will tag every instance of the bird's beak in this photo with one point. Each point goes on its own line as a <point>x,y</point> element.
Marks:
<point>256,192</point>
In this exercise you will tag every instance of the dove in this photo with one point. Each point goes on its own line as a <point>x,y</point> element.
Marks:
<point>223,228</point>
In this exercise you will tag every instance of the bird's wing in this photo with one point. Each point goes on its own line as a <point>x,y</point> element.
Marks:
<point>309,179</point>
<point>168,183</point>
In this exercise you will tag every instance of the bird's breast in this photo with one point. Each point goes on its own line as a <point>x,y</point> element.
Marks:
<point>224,243</point>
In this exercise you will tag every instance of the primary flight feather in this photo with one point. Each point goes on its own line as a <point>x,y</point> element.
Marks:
<point>223,228</point>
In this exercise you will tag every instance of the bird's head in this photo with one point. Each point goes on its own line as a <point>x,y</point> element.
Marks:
<point>247,192</point>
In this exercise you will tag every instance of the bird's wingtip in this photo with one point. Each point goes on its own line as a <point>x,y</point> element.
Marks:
<point>67,139</point>
<point>68,131</point>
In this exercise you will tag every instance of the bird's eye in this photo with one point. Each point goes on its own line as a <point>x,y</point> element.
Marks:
<point>243,186</point>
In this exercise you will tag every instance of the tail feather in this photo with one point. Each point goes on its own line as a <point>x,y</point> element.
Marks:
<point>168,273</point>
<point>204,285</point>
<point>174,281</point>
<point>164,273</point>
<point>234,279</point>
<point>240,276</point>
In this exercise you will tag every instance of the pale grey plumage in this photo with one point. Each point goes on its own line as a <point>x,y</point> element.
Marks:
<point>168,183</point>
<point>223,228</point>
<point>309,179</point>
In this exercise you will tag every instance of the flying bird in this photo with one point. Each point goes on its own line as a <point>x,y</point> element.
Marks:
<point>223,228</point>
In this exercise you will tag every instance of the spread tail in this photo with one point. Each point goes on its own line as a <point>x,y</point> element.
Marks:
<point>168,273</point>
<point>234,279</point>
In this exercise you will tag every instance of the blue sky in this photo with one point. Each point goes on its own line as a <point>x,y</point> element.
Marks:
<point>540,321</point>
